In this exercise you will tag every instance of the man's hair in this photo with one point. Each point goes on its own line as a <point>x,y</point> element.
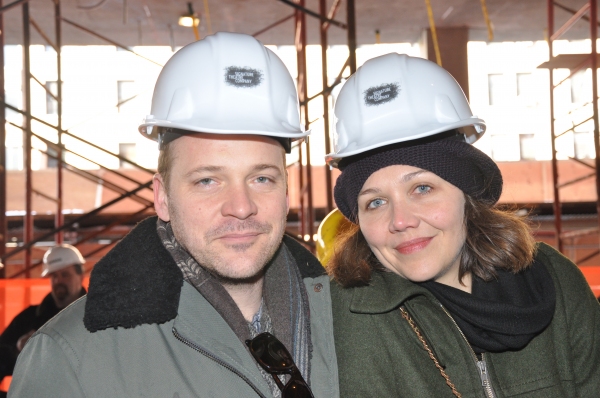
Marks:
<point>164,162</point>
<point>496,238</point>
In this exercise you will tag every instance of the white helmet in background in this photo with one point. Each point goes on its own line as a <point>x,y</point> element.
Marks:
<point>61,256</point>
<point>227,83</point>
<point>395,98</point>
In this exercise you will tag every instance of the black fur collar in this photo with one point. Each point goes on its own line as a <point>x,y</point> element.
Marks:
<point>137,282</point>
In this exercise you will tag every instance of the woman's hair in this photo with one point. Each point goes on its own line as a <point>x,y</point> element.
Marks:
<point>495,238</point>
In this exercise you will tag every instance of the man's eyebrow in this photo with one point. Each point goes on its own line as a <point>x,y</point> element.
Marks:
<point>265,166</point>
<point>202,169</point>
<point>214,169</point>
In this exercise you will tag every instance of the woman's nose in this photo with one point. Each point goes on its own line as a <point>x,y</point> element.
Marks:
<point>403,217</point>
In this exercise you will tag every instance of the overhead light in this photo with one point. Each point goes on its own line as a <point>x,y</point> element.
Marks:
<point>188,21</point>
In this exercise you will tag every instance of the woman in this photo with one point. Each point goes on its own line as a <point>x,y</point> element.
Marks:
<point>436,292</point>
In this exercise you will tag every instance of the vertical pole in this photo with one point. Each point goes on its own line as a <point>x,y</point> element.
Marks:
<point>59,220</point>
<point>594,65</point>
<point>3,231</point>
<point>28,227</point>
<point>308,216</point>
<point>301,212</point>
<point>351,22</point>
<point>556,205</point>
<point>328,179</point>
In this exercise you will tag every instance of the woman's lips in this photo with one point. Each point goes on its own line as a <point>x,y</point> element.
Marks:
<point>413,245</point>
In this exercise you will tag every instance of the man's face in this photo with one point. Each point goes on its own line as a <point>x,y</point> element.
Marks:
<point>66,285</point>
<point>226,200</point>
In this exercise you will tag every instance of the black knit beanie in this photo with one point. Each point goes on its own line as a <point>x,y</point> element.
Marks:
<point>451,158</point>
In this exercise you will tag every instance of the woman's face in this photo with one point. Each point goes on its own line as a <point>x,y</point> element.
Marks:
<point>413,221</point>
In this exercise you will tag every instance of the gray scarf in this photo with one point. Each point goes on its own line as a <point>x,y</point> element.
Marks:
<point>285,301</point>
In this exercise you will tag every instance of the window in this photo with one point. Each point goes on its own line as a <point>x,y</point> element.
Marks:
<point>525,88</point>
<point>527,145</point>
<point>52,157</point>
<point>584,145</point>
<point>496,89</point>
<point>14,157</point>
<point>51,103</point>
<point>126,151</point>
<point>581,86</point>
<point>125,93</point>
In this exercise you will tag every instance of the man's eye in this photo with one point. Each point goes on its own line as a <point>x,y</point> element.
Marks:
<point>263,179</point>
<point>205,181</point>
<point>375,203</point>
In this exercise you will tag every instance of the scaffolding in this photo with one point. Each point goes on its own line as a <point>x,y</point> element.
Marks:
<point>575,63</point>
<point>57,149</point>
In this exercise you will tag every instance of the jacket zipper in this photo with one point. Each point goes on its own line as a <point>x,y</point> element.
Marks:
<point>481,365</point>
<point>217,360</point>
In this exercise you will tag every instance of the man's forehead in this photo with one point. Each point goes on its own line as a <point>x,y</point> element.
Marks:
<point>237,148</point>
<point>228,139</point>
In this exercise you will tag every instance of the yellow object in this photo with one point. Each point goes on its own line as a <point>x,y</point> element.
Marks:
<point>486,17</point>
<point>436,45</point>
<point>327,233</point>
<point>207,15</point>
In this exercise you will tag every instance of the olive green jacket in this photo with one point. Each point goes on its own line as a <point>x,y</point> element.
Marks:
<point>379,354</point>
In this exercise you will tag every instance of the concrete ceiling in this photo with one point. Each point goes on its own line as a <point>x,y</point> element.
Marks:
<point>154,22</point>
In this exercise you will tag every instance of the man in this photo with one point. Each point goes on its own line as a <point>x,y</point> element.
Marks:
<point>63,265</point>
<point>173,310</point>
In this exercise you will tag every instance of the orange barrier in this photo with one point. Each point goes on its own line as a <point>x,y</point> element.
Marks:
<point>592,274</point>
<point>15,296</point>
<point>18,294</point>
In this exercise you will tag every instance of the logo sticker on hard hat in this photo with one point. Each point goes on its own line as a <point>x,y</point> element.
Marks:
<point>381,94</point>
<point>242,76</point>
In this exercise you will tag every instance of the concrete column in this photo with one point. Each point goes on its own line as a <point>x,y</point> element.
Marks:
<point>453,51</point>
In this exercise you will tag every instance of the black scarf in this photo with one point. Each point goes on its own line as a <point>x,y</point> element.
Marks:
<point>504,314</point>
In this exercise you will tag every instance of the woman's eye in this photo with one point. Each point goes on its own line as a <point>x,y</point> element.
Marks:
<point>423,189</point>
<point>375,203</point>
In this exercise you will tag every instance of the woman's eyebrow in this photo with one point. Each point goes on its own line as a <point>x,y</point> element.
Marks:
<point>369,191</point>
<point>410,176</point>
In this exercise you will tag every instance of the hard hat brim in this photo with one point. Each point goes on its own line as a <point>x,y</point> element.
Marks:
<point>149,130</point>
<point>333,158</point>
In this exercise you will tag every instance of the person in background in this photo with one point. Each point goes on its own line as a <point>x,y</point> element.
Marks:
<point>63,265</point>
<point>436,291</point>
<point>209,299</point>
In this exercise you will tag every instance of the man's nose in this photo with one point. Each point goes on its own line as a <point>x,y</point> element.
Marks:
<point>238,202</point>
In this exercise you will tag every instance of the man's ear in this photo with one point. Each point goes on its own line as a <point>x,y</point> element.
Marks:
<point>161,199</point>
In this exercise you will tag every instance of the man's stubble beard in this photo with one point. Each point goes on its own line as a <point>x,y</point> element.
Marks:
<point>209,258</point>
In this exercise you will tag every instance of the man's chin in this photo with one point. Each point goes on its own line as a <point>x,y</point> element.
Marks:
<point>239,279</point>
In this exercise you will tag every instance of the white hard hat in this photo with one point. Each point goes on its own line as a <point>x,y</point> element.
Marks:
<point>395,98</point>
<point>227,83</point>
<point>61,256</point>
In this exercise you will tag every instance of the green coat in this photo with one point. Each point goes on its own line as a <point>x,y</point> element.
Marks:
<point>139,353</point>
<point>379,355</point>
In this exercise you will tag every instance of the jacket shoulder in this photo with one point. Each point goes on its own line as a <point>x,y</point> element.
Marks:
<point>307,263</point>
<point>559,266</point>
<point>136,283</point>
